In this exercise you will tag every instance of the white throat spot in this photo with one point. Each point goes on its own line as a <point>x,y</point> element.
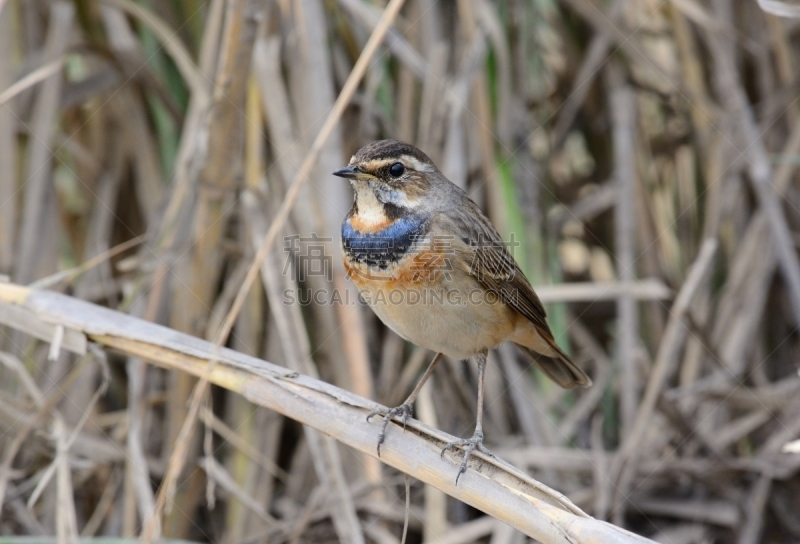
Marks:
<point>370,209</point>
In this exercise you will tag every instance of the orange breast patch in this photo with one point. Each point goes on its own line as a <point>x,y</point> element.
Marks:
<point>369,228</point>
<point>416,269</point>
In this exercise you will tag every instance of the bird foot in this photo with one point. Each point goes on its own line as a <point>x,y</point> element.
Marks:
<point>404,411</point>
<point>470,445</point>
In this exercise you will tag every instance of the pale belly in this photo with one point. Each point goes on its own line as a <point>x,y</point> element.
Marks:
<point>455,317</point>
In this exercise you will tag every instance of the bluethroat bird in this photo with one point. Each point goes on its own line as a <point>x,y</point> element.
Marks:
<point>436,272</point>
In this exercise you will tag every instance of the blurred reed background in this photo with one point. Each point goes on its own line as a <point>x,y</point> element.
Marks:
<point>643,149</point>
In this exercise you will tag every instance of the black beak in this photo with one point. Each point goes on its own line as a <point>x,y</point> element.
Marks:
<point>349,172</point>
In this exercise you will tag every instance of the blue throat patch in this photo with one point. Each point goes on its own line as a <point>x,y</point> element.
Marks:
<point>383,247</point>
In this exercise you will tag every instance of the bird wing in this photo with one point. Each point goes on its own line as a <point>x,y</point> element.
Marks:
<point>482,253</point>
<point>485,256</point>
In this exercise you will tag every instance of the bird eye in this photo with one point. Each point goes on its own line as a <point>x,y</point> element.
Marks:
<point>396,170</point>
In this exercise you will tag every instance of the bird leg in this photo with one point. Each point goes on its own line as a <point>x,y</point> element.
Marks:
<point>405,410</point>
<point>476,442</point>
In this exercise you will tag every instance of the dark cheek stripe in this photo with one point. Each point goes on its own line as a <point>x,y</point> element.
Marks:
<point>383,247</point>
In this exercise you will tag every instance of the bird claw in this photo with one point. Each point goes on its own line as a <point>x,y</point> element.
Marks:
<point>404,411</point>
<point>471,444</point>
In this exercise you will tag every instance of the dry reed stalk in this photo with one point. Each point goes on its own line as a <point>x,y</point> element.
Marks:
<point>288,150</point>
<point>8,152</point>
<point>521,396</point>
<point>604,25</point>
<point>176,460</point>
<point>39,164</point>
<point>496,487</point>
<point>313,102</point>
<point>623,117</point>
<point>759,168</point>
<point>220,138</point>
<point>245,463</point>
<point>602,377</point>
<point>297,350</point>
<point>666,360</point>
<point>505,97</point>
<point>31,79</point>
<point>435,522</point>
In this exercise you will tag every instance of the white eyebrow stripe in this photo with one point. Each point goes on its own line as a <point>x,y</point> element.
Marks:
<point>416,164</point>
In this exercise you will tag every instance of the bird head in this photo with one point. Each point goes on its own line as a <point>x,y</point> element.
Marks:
<point>391,175</point>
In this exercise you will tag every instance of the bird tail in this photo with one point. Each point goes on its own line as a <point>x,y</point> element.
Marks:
<point>559,368</point>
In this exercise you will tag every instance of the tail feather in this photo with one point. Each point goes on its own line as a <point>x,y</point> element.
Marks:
<point>560,368</point>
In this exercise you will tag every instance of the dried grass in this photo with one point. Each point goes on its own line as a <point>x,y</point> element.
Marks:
<point>643,154</point>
